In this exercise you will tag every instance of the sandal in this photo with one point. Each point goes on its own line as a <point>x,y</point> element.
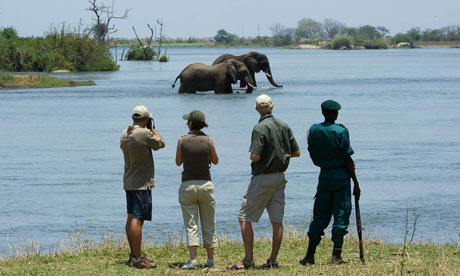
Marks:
<point>269,265</point>
<point>246,265</point>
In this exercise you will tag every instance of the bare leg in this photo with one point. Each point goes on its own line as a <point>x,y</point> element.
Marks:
<point>192,252</point>
<point>210,253</point>
<point>248,239</point>
<point>277,238</point>
<point>135,235</point>
<point>128,230</point>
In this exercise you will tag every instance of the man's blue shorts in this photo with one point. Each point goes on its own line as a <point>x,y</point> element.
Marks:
<point>139,204</point>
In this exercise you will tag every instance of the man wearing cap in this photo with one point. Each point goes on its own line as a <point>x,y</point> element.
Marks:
<point>272,146</point>
<point>137,143</point>
<point>329,148</point>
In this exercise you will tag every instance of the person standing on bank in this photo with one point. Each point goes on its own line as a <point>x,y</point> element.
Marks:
<point>196,152</point>
<point>272,146</point>
<point>137,142</point>
<point>329,147</point>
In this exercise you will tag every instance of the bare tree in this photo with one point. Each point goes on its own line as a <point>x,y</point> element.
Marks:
<point>103,17</point>
<point>333,27</point>
<point>161,36</point>
<point>276,29</point>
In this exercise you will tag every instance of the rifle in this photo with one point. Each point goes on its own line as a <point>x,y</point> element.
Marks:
<point>360,234</point>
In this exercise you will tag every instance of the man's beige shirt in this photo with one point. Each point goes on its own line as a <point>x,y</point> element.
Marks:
<point>137,143</point>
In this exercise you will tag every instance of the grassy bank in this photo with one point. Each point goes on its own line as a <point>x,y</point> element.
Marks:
<point>37,81</point>
<point>107,257</point>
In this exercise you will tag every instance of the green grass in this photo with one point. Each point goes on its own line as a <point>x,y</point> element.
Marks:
<point>37,81</point>
<point>107,256</point>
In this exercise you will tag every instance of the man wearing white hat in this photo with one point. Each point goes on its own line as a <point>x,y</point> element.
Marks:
<point>272,146</point>
<point>137,142</point>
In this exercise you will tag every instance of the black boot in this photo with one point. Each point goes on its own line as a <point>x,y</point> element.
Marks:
<point>310,256</point>
<point>337,255</point>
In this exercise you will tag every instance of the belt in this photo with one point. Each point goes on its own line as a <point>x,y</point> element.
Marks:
<point>271,172</point>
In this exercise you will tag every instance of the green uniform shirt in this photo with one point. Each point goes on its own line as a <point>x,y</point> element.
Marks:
<point>328,145</point>
<point>273,140</point>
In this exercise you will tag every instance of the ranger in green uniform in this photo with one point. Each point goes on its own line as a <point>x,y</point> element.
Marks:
<point>329,148</point>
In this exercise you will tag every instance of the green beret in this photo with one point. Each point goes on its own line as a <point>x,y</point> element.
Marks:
<point>331,105</point>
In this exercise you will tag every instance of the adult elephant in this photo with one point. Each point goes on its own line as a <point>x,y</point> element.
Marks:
<point>255,62</point>
<point>218,77</point>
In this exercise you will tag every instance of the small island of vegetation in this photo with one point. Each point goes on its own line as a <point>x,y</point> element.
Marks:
<point>38,81</point>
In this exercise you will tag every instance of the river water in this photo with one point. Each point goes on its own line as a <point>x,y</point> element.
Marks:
<point>61,165</point>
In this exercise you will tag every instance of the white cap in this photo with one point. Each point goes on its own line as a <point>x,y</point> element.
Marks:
<point>140,112</point>
<point>264,99</point>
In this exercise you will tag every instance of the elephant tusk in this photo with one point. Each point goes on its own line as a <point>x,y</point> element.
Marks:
<point>252,86</point>
<point>268,75</point>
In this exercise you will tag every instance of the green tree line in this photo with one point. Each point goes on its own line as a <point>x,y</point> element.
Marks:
<point>336,35</point>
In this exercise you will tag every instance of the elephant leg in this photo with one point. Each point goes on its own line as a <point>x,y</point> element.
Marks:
<point>254,78</point>
<point>185,89</point>
<point>223,88</point>
<point>181,89</point>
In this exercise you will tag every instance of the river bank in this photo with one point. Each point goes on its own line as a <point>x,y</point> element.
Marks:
<point>8,81</point>
<point>108,255</point>
<point>302,46</point>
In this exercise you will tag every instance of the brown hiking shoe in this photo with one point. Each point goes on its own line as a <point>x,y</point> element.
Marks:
<point>269,265</point>
<point>142,262</point>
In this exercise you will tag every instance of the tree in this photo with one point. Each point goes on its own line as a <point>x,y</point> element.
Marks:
<point>104,15</point>
<point>383,30</point>
<point>277,29</point>
<point>282,40</point>
<point>414,34</point>
<point>309,28</point>
<point>333,27</point>
<point>350,31</point>
<point>224,37</point>
<point>369,32</point>
<point>8,33</point>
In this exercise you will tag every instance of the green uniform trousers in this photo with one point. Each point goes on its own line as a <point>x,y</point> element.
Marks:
<point>333,198</point>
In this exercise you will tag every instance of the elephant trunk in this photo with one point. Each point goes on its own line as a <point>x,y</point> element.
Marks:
<point>250,88</point>
<point>250,84</point>
<point>268,73</point>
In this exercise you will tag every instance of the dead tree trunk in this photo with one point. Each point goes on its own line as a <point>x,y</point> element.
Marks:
<point>140,43</point>
<point>122,54</point>
<point>161,35</point>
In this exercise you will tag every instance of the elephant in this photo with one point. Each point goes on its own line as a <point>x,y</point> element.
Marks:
<point>255,62</point>
<point>219,77</point>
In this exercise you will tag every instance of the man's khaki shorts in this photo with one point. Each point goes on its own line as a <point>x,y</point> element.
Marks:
<point>264,191</point>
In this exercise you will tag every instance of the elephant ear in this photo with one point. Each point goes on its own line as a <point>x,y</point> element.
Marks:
<point>252,64</point>
<point>231,71</point>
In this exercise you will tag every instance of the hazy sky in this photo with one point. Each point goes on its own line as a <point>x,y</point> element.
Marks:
<point>202,18</point>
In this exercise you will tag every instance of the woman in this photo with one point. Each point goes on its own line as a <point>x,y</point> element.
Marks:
<point>196,193</point>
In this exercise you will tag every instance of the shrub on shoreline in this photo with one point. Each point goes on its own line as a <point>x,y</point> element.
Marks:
<point>341,42</point>
<point>57,50</point>
<point>137,53</point>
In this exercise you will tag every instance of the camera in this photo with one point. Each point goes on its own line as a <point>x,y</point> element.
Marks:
<point>151,123</point>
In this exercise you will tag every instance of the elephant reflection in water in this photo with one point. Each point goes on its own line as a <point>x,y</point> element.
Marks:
<point>218,77</point>
<point>255,62</point>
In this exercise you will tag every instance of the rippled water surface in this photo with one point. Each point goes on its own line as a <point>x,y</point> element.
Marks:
<point>61,165</point>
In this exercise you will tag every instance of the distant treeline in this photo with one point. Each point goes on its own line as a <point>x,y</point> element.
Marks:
<point>330,34</point>
<point>59,49</point>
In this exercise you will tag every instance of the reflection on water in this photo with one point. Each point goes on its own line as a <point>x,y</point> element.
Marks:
<point>62,167</point>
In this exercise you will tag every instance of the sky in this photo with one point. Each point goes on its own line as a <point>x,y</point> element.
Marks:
<point>246,18</point>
